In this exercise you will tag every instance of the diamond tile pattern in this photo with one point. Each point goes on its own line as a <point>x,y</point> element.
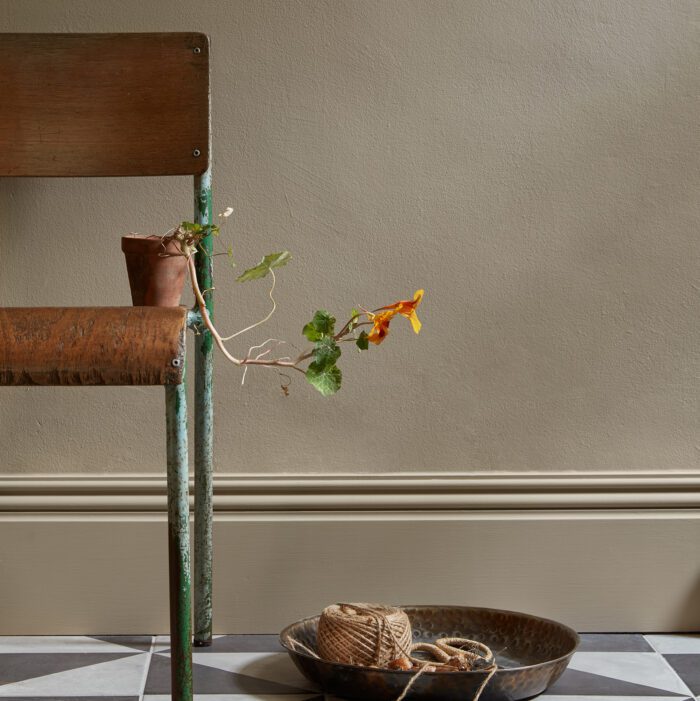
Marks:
<point>607,667</point>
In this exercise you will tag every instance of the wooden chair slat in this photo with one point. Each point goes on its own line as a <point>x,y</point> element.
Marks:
<point>92,345</point>
<point>104,104</point>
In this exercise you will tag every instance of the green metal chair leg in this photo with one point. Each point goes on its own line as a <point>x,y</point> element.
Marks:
<point>203,498</point>
<point>179,543</point>
<point>203,431</point>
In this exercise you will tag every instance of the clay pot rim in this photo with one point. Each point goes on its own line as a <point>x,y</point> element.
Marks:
<point>148,244</point>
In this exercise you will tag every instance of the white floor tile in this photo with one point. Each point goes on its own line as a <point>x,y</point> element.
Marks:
<point>682,643</point>
<point>644,668</point>
<point>57,643</point>
<point>122,677</point>
<point>162,642</point>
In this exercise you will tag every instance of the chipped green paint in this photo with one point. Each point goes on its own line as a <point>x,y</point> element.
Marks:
<point>204,260</point>
<point>194,319</point>
<point>203,429</point>
<point>179,542</point>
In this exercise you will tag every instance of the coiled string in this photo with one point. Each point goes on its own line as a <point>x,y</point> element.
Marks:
<point>472,652</point>
<point>470,655</point>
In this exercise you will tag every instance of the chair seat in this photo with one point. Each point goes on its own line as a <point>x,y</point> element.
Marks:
<point>92,345</point>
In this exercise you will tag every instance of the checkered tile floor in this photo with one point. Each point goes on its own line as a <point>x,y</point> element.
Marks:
<point>254,668</point>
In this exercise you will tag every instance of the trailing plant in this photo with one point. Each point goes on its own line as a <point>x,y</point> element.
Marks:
<point>319,362</point>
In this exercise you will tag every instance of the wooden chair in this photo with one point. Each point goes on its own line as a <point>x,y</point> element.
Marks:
<point>90,105</point>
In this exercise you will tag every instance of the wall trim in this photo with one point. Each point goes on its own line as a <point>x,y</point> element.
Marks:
<point>87,574</point>
<point>287,545</point>
<point>144,493</point>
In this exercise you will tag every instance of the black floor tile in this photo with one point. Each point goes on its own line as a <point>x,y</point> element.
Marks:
<point>208,680</point>
<point>243,643</point>
<point>614,642</point>
<point>585,684</point>
<point>687,667</point>
<point>16,667</point>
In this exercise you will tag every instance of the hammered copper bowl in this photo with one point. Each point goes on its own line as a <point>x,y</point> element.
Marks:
<point>531,652</point>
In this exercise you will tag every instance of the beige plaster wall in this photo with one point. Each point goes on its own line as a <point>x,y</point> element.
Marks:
<point>534,165</point>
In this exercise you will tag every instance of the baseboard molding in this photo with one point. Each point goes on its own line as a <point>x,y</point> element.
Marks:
<point>600,552</point>
<point>390,492</point>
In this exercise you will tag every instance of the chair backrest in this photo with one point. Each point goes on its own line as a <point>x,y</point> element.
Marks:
<point>104,104</point>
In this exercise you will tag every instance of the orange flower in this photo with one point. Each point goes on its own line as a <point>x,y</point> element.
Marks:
<point>408,308</point>
<point>380,330</point>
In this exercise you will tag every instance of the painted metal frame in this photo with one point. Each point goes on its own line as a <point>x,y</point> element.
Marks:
<point>181,638</point>
<point>181,609</point>
<point>203,428</point>
<point>179,542</point>
<point>178,472</point>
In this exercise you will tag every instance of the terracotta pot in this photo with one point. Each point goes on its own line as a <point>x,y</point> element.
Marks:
<point>156,272</point>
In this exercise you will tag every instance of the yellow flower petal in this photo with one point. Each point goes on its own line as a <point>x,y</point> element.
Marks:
<point>415,322</point>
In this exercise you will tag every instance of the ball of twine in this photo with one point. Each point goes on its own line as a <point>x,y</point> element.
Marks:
<point>369,635</point>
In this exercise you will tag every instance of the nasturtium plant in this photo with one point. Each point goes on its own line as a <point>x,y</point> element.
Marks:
<point>326,351</point>
<point>362,341</point>
<point>200,229</point>
<point>326,380</point>
<point>321,325</point>
<point>270,261</point>
<point>322,371</point>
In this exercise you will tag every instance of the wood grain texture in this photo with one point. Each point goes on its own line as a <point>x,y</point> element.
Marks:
<point>92,345</point>
<point>104,104</point>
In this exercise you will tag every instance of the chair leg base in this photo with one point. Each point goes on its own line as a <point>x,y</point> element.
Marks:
<point>179,543</point>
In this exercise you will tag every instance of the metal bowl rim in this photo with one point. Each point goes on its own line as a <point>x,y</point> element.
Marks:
<point>575,635</point>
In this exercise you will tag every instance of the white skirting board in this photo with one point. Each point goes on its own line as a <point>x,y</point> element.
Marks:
<point>601,553</point>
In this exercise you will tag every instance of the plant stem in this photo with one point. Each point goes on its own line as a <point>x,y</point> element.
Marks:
<point>269,362</point>
<point>220,342</point>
